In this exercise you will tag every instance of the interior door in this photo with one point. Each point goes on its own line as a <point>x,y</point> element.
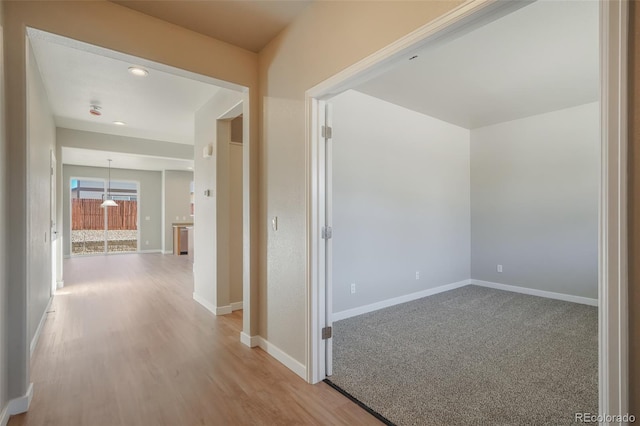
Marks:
<point>327,232</point>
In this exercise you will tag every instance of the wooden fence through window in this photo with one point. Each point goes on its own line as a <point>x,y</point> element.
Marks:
<point>87,214</point>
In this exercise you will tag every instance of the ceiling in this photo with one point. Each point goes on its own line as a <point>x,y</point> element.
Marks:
<point>249,24</point>
<point>540,58</point>
<point>160,106</point>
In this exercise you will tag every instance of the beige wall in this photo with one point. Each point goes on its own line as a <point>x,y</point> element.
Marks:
<point>211,239</point>
<point>303,55</point>
<point>235,220</point>
<point>114,27</point>
<point>3,229</point>
<point>634,210</point>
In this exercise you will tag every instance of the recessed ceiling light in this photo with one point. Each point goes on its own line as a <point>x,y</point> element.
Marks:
<point>138,71</point>
<point>119,123</point>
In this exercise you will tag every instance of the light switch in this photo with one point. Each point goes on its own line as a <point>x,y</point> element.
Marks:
<point>147,218</point>
<point>274,223</point>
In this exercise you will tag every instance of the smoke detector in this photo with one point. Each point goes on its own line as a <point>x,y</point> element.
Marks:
<point>95,110</point>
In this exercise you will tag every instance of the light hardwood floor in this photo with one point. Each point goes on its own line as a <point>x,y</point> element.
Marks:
<point>125,344</point>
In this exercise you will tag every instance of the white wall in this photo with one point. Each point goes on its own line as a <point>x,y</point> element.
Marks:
<point>149,202</point>
<point>207,290</point>
<point>400,201</point>
<point>41,141</point>
<point>534,201</point>
<point>176,203</point>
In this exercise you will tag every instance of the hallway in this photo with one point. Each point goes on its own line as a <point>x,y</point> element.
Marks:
<point>125,344</point>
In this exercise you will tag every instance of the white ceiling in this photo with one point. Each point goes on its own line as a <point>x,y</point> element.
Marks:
<point>249,24</point>
<point>540,58</point>
<point>94,158</point>
<point>160,106</point>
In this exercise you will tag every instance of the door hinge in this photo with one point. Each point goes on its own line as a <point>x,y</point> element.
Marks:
<point>327,132</point>
<point>327,333</point>
<point>327,232</point>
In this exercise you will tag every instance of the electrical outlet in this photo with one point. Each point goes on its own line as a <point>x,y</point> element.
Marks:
<point>417,275</point>
<point>499,268</point>
<point>353,288</point>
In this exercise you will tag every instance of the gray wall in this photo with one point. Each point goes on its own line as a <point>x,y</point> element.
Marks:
<point>177,202</point>
<point>149,204</point>
<point>41,139</point>
<point>103,142</point>
<point>534,201</point>
<point>401,201</point>
<point>3,226</point>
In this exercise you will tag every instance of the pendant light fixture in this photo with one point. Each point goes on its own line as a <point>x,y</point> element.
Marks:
<point>108,201</point>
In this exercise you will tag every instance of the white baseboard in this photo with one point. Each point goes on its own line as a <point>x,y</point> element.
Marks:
<point>59,284</point>
<point>167,252</point>
<point>281,356</point>
<point>16,406</point>
<point>36,336</point>
<point>223,310</point>
<point>337,316</point>
<point>236,306</point>
<point>215,310</point>
<point>208,306</point>
<point>67,256</point>
<point>251,341</point>
<point>150,251</point>
<point>535,292</point>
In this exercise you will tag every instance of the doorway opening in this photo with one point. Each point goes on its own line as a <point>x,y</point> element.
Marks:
<point>612,367</point>
<point>141,114</point>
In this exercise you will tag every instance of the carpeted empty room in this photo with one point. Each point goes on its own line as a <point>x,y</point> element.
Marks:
<point>463,262</point>
<point>472,355</point>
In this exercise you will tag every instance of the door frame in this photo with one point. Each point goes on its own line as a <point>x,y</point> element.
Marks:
<point>612,241</point>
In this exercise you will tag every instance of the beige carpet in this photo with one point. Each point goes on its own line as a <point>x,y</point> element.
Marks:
<point>472,356</point>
